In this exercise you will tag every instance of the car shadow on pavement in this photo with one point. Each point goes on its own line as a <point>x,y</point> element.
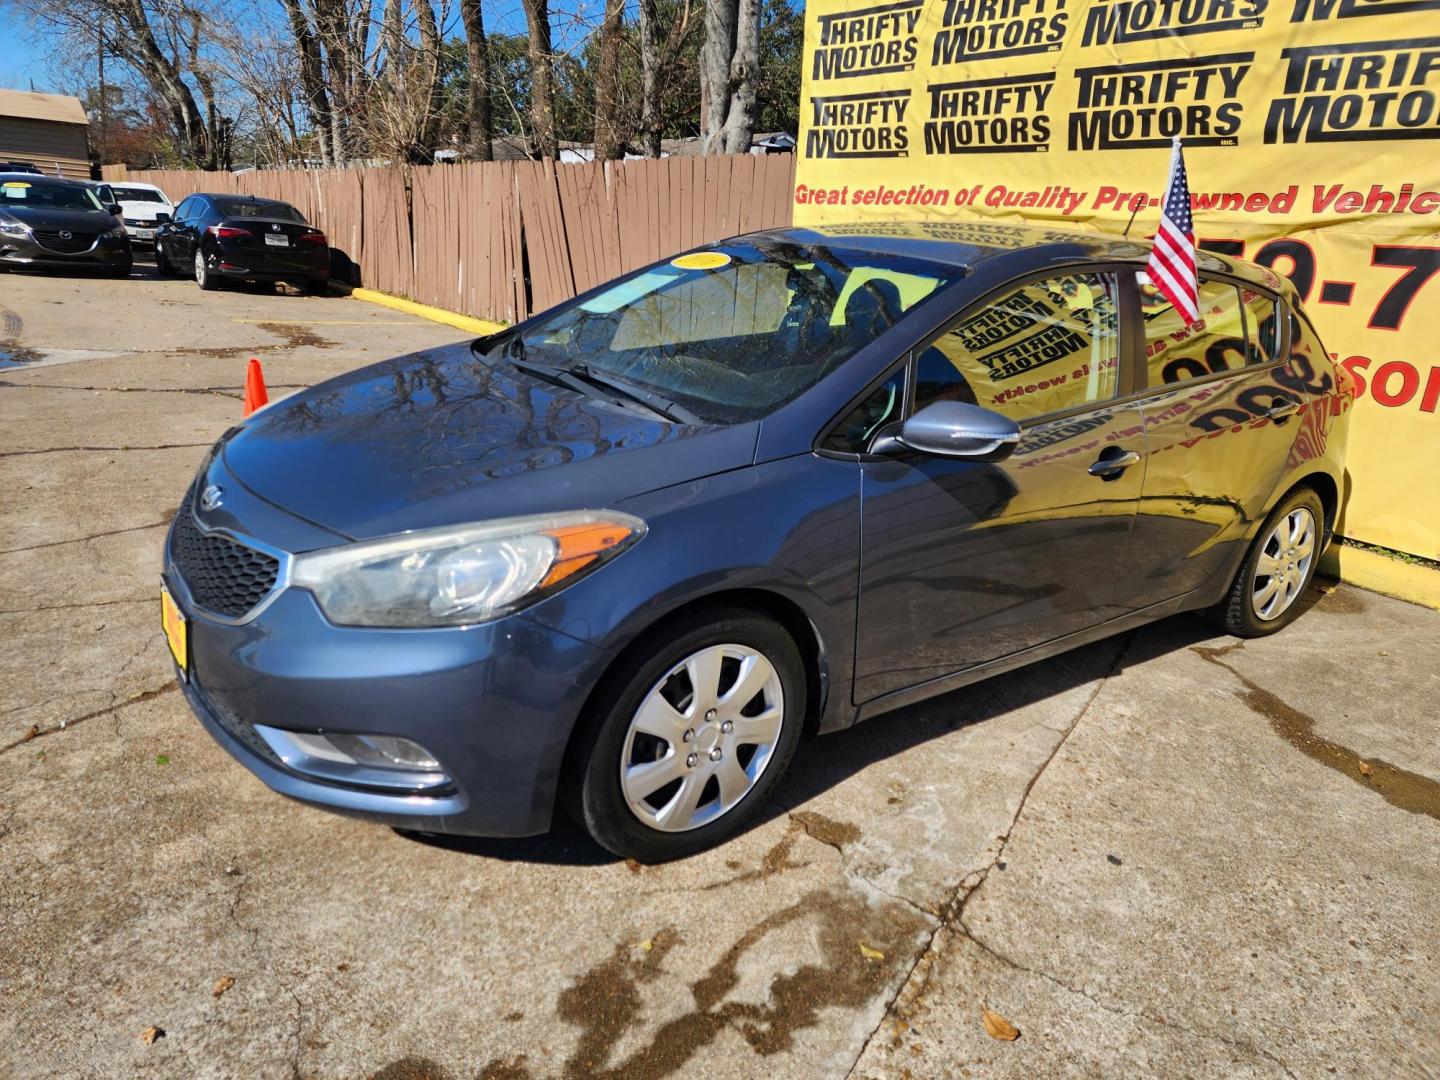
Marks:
<point>824,762</point>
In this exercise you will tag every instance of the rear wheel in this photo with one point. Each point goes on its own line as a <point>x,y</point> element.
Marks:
<point>203,277</point>
<point>318,286</point>
<point>1279,568</point>
<point>690,737</point>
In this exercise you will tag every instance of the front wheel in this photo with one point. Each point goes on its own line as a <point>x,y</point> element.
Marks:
<point>1277,571</point>
<point>203,277</point>
<point>691,736</point>
<point>163,266</point>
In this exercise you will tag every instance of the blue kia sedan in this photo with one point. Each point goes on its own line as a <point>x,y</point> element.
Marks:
<point>617,559</point>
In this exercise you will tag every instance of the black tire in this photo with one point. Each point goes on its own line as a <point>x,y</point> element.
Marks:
<point>317,286</point>
<point>592,787</point>
<point>163,266</point>
<point>1237,614</point>
<point>203,277</point>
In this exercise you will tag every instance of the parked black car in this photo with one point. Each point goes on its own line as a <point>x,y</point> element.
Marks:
<point>19,166</point>
<point>216,237</point>
<point>47,221</point>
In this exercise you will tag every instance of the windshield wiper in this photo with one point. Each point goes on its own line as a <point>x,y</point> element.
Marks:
<point>651,400</point>
<point>582,379</point>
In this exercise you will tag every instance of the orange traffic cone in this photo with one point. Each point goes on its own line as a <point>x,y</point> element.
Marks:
<point>255,395</point>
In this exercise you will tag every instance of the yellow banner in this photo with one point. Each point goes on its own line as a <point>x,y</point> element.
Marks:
<point>1312,142</point>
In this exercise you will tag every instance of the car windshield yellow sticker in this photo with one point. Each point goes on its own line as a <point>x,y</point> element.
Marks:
<point>16,184</point>
<point>701,260</point>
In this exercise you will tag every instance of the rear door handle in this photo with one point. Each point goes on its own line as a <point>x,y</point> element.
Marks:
<point>1108,468</point>
<point>1282,409</point>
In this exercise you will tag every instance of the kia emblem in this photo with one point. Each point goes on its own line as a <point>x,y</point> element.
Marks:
<point>212,497</point>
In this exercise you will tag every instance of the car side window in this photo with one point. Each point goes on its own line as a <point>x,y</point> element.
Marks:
<point>186,210</point>
<point>1045,347</point>
<point>1177,353</point>
<point>852,435</point>
<point>1262,328</point>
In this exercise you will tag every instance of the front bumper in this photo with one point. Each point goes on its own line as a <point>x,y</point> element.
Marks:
<point>111,252</point>
<point>495,703</point>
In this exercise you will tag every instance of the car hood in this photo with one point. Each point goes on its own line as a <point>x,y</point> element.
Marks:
<point>47,217</point>
<point>439,438</point>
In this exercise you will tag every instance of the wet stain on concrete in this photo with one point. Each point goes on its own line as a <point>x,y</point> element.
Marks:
<point>296,337</point>
<point>1338,601</point>
<point>514,1069</point>
<point>827,830</point>
<point>411,1068</point>
<point>1399,787</point>
<point>605,1002</point>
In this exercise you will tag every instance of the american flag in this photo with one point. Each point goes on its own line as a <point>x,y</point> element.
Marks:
<point>1172,259</point>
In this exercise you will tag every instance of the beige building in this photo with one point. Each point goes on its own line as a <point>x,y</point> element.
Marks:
<point>50,131</point>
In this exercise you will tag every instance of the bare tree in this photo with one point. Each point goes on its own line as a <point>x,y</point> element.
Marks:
<point>542,79</point>
<point>477,55</point>
<point>657,66</point>
<point>729,70</point>
<point>608,142</point>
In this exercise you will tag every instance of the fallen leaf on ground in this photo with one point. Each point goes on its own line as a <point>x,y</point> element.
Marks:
<point>1365,769</point>
<point>162,759</point>
<point>869,953</point>
<point>646,945</point>
<point>222,984</point>
<point>997,1027</point>
<point>150,1034</point>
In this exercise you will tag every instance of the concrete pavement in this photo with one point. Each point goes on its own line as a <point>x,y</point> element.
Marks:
<point>1164,854</point>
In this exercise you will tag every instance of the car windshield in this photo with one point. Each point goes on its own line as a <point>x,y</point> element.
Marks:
<point>137,194</point>
<point>276,211</point>
<point>733,332</point>
<point>37,193</point>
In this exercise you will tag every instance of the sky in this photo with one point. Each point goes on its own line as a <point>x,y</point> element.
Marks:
<point>23,59</point>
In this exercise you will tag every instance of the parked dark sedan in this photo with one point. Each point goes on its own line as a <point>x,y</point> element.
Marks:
<point>240,237</point>
<point>48,222</point>
<point>622,555</point>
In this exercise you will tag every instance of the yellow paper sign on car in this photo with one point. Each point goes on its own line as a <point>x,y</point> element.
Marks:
<point>701,260</point>
<point>15,184</point>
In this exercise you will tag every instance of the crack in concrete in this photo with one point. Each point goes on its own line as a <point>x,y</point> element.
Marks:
<point>217,391</point>
<point>81,604</point>
<point>86,539</point>
<point>102,449</point>
<point>1118,1010</point>
<point>954,911</point>
<point>114,706</point>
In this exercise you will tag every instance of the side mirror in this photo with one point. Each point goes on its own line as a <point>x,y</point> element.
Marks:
<point>115,209</point>
<point>954,429</point>
<point>162,218</point>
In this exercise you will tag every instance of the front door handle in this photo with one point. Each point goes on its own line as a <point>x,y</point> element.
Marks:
<point>1282,409</point>
<point>1110,468</point>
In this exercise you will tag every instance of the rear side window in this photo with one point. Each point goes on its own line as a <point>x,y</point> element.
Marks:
<point>1045,347</point>
<point>1177,353</point>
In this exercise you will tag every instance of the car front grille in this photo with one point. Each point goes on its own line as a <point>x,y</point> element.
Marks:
<point>223,576</point>
<point>75,243</point>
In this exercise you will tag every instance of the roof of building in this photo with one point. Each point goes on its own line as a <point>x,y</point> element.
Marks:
<point>59,108</point>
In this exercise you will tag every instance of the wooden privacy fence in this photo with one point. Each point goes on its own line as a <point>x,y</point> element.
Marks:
<point>501,240</point>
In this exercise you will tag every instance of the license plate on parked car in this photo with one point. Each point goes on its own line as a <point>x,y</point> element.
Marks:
<point>145,234</point>
<point>177,631</point>
<point>277,239</point>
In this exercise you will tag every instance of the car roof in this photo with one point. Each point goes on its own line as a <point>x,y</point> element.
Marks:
<point>30,178</point>
<point>969,244</point>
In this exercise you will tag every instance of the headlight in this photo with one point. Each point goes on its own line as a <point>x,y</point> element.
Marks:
<point>461,575</point>
<point>14,228</point>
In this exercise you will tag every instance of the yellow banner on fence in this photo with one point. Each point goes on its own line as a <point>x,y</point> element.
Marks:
<point>1312,142</point>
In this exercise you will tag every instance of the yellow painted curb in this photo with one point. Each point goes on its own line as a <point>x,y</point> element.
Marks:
<point>482,327</point>
<point>1382,574</point>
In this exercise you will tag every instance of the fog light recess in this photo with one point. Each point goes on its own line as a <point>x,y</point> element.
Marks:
<point>362,760</point>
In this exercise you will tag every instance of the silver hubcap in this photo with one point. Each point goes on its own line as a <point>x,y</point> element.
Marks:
<point>199,267</point>
<point>1284,564</point>
<point>702,738</point>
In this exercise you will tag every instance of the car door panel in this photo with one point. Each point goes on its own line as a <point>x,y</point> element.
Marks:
<point>1217,456</point>
<point>964,562</point>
